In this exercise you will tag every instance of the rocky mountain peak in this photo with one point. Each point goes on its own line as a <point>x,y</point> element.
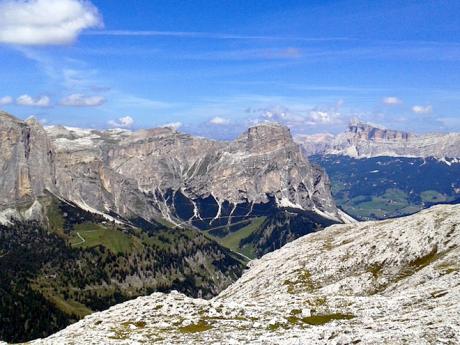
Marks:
<point>366,131</point>
<point>268,136</point>
<point>7,118</point>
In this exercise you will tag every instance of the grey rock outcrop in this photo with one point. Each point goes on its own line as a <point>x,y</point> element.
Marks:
<point>26,161</point>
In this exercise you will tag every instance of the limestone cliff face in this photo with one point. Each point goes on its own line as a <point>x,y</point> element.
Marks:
<point>136,174</point>
<point>26,161</point>
<point>363,140</point>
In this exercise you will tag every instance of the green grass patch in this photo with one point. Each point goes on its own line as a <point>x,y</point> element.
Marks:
<point>432,196</point>
<point>201,326</point>
<point>412,267</point>
<point>318,320</point>
<point>137,324</point>
<point>394,201</point>
<point>233,240</point>
<point>95,235</point>
<point>302,283</point>
<point>276,326</point>
<point>69,307</point>
<point>448,267</point>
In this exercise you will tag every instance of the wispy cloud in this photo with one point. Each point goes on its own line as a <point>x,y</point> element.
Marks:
<point>131,101</point>
<point>420,109</point>
<point>69,74</point>
<point>219,121</point>
<point>78,100</point>
<point>392,100</point>
<point>6,100</point>
<point>248,54</point>
<point>174,125</point>
<point>210,35</point>
<point>45,22</point>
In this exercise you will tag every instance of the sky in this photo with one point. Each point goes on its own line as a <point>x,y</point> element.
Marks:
<point>213,68</point>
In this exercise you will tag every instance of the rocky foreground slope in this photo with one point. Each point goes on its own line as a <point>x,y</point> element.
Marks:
<point>363,140</point>
<point>387,282</point>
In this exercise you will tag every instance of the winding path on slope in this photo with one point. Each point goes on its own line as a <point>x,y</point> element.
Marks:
<point>81,238</point>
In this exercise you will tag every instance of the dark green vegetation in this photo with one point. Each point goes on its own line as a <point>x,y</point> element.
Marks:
<point>55,273</point>
<point>385,187</point>
<point>246,228</point>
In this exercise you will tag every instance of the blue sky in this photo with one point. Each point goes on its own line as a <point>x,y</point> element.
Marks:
<point>216,67</point>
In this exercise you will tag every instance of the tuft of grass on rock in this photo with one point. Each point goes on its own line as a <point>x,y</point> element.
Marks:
<point>201,326</point>
<point>318,320</point>
<point>302,283</point>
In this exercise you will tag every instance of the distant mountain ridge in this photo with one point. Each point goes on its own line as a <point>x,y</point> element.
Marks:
<point>363,140</point>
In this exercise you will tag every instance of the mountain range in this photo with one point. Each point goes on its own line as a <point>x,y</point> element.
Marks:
<point>94,218</point>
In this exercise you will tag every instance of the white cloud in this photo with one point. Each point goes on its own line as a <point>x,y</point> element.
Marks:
<point>174,125</point>
<point>6,100</point>
<point>323,117</point>
<point>392,100</point>
<point>300,117</point>
<point>26,100</point>
<point>43,22</point>
<point>122,122</point>
<point>420,109</point>
<point>219,121</point>
<point>279,114</point>
<point>78,100</point>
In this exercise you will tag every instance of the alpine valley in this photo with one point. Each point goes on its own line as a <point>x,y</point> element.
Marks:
<point>89,219</point>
